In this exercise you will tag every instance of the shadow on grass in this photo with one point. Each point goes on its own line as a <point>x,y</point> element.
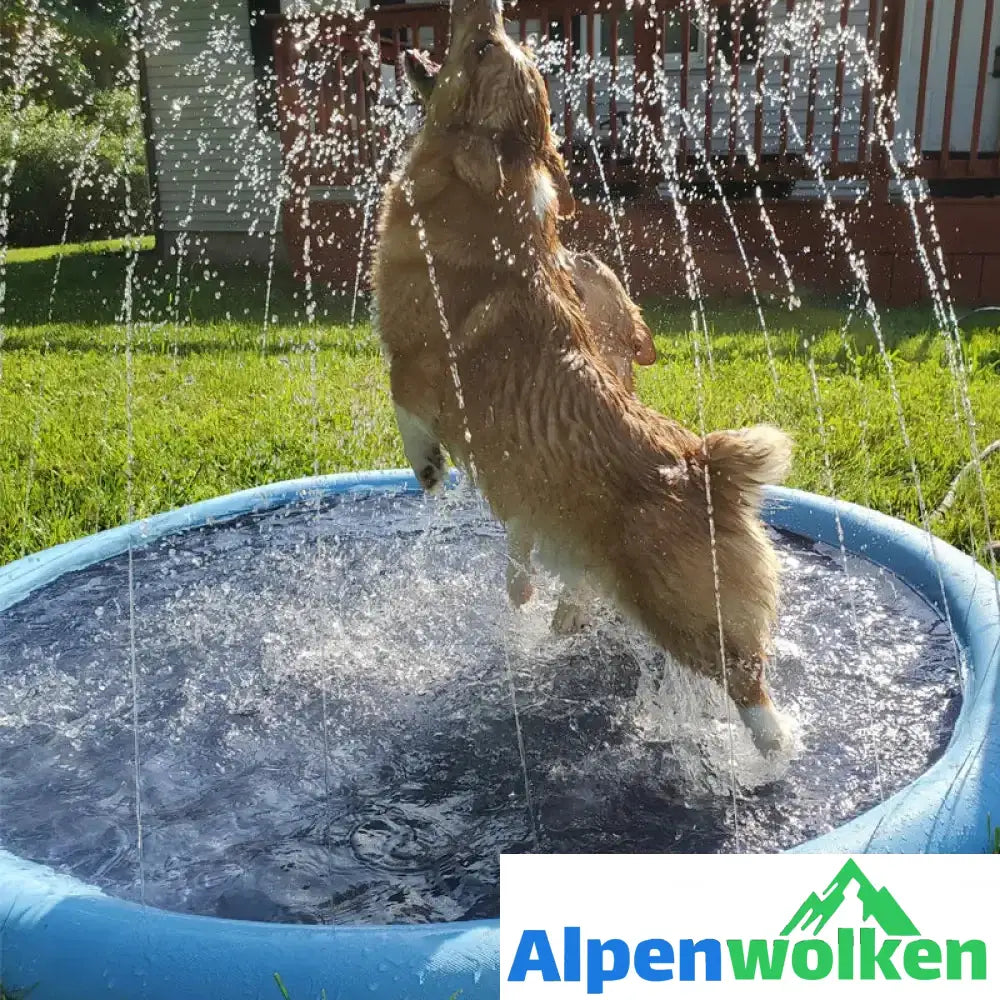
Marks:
<point>175,305</point>
<point>90,290</point>
<point>825,328</point>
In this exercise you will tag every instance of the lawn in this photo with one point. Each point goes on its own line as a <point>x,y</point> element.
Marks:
<point>222,400</point>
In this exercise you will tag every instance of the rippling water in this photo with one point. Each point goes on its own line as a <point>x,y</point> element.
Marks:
<point>325,724</point>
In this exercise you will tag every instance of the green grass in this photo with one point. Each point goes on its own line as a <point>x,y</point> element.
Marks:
<point>220,403</point>
<point>27,255</point>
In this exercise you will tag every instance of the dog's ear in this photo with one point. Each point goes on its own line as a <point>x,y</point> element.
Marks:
<point>642,343</point>
<point>477,163</point>
<point>421,73</point>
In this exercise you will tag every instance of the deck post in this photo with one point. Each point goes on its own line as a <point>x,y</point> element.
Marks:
<point>646,102</point>
<point>890,52</point>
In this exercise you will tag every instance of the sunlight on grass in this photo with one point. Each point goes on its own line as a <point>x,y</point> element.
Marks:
<point>26,255</point>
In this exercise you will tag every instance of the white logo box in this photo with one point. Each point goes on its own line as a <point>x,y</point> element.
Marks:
<point>624,926</point>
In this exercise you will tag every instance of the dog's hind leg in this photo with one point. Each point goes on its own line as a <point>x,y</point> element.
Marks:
<point>519,545</point>
<point>572,613</point>
<point>422,449</point>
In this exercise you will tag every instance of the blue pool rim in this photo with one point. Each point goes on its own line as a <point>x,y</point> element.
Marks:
<point>63,940</point>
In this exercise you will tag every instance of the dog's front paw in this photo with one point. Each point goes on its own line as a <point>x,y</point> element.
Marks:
<point>569,618</point>
<point>771,731</point>
<point>431,474</point>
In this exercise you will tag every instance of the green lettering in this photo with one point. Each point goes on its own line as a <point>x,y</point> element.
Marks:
<point>759,957</point>
<point>803,964</point>
<point>975,949</point>
<point>845,953</point>
<point>882,959</point>
<point>921,959</point>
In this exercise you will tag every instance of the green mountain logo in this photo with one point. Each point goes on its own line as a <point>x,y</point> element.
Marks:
<point>878,905</point>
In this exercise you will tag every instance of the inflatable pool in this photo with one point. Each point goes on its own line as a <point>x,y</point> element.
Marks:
<point>62,939</point>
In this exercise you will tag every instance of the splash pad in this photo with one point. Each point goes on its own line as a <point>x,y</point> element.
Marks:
<point>69,937</point>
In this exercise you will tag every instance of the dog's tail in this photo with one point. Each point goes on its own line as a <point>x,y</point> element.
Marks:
<point>743,462</point>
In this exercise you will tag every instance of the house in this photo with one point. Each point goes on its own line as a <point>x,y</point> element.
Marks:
<point>271,127</point>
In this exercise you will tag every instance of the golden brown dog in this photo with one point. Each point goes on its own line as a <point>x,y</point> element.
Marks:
<point>491,356</point>
<point>620,335</point>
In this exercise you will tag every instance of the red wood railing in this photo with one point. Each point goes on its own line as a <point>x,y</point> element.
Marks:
<point>405,26</point>
<point>330,76</point>
<point>955,157</point>
<point>327,76</point>
<point>329,79</point>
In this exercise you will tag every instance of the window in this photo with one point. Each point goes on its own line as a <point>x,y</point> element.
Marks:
<point>751,29</point>
<point>557,31</point>
<point>387,33</point>
<point>673,41</point>
<point>626,35</point>
<point>262,50</point>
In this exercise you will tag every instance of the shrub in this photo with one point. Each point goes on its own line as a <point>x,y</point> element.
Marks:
<point>74,54</point>
<point>102,150</point>
<point>100,48</point>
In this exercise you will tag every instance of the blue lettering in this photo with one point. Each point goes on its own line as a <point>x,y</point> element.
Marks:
<point>572,953</point>
<point>525,960</point>
<point>651,953</point>
<point>597,974</point>
<point>711,949</point>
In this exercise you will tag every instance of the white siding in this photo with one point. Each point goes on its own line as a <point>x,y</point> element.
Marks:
<point>966,75</point>
<point>216,171</point>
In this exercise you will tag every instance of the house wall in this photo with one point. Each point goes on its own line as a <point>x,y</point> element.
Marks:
<point>216,171</point>
<point>818,262</point>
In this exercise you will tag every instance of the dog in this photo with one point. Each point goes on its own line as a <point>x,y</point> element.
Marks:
<point>621,336</point>
<point>491,357</point>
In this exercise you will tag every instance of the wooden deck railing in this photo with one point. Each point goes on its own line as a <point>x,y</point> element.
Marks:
<point>958,23</point>
<point>738,105</point>
<point>332,63</point>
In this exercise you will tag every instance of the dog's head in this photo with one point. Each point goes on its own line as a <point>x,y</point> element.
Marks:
<point>487,82</point>
<point>622,335</point>
<point>489,91</point>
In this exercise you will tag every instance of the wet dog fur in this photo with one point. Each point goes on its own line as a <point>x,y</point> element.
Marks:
<point>622,339</point>
<point>491,356</point>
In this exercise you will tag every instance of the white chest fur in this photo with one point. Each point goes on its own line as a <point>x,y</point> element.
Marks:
<point>543,195</point>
